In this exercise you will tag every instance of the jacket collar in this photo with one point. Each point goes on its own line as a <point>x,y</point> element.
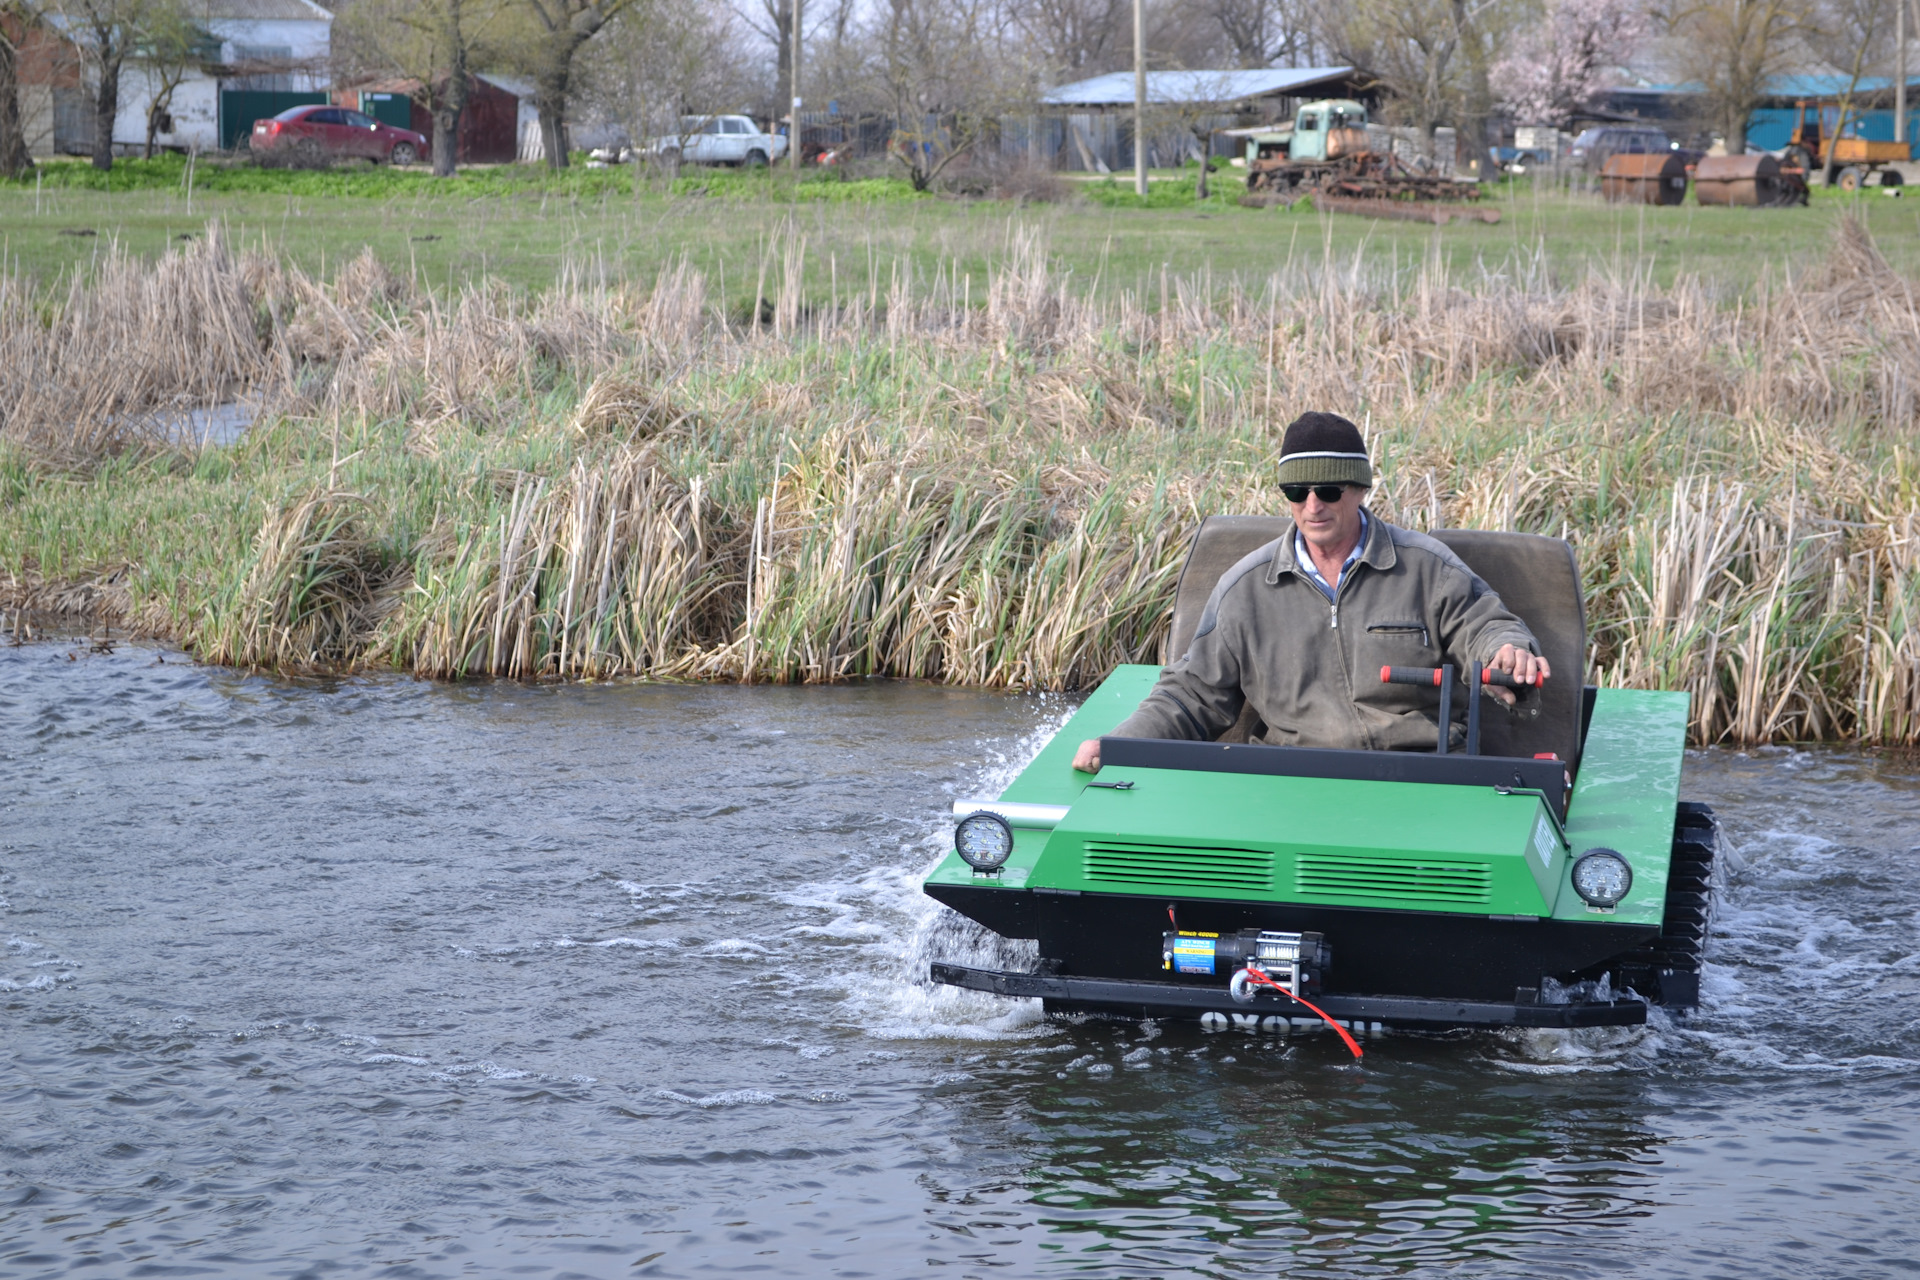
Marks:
<point>1377,550</point>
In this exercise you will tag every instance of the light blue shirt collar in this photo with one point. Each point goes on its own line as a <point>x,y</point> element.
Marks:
<point>1312,572</point>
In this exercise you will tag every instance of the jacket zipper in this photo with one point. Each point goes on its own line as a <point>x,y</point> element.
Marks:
<point>1336,615</point>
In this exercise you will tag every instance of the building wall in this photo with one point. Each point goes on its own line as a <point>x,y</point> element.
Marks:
<point>196,101</point>
<point>1772,127</point>
<point>48,71</point>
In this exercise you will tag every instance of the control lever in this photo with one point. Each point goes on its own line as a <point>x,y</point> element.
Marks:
<point>1441,678</point>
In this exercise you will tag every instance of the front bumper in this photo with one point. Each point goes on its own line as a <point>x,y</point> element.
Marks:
<point>1131,998</point>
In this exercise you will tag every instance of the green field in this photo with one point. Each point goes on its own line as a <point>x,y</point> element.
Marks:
<point>525,226</point>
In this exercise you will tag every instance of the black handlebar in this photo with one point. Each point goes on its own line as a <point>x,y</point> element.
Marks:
<point>1441,678</point>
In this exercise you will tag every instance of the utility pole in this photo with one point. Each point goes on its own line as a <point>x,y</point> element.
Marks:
<point>1900,70</point>
<point>1140,98</point>
<point>793,131</point>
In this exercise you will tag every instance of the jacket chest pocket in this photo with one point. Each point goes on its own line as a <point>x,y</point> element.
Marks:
<point>1392,631</point>
<point>1399,644</point>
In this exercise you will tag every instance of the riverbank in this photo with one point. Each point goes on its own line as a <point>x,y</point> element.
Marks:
<point>979,477</point>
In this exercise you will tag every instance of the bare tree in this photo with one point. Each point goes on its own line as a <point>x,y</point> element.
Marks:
<point>106,32</point>
<point>438,44</point>
<point>1556,67</point>
<point>1076,38</point>
<point>16,20</point>
<point>171,44</point>
<point>660,67</point>
<point>562,28</point>
<point>1849,33</point>
<point>935,65</point>
<point>1412,47</point>
<point>1261,33</point>
<point>1732,48</point>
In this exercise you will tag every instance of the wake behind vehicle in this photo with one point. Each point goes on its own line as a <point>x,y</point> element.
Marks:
<point>320,132</point>
<point>1547,876</point>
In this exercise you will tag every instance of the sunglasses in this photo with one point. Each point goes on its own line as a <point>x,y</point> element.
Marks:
<point>1327,493</point>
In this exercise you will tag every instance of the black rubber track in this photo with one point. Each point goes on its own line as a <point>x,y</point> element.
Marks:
<point>1667,970</point>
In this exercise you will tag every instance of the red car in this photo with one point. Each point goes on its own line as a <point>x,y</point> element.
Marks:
<point>336,133</point>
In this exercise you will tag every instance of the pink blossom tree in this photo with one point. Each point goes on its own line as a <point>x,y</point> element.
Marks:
<point>1572,57</point>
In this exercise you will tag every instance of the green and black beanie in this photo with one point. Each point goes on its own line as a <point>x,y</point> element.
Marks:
<point>1323,448</point>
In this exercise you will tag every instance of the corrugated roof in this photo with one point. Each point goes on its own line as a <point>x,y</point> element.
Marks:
<point>259,11</point>
<point>1804,85</point>
<point>1116,88</point>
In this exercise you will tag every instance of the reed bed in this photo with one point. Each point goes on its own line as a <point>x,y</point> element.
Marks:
<point>985,481</point>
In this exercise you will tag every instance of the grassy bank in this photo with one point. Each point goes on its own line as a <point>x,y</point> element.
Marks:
<point>976,478</point>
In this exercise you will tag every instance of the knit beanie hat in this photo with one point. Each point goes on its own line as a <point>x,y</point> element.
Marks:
<point>1323,448</point>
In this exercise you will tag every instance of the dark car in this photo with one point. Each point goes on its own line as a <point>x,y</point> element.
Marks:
<point>1593,148</point>
<point>323,132</point>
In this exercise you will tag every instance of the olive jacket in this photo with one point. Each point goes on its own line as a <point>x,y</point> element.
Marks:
<point>1310,667</point>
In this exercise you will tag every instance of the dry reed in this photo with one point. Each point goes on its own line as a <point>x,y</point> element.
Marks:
<point>990,483</point>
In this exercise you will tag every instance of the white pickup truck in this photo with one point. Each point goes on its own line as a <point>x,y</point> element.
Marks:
<point>720,140</point>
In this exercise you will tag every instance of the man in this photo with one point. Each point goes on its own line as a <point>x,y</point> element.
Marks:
<point>1301,628</point>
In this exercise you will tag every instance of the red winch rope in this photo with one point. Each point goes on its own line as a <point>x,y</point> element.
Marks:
<point>1255,978</point>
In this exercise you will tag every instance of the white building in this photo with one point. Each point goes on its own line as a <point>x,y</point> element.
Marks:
<point>269,50</point>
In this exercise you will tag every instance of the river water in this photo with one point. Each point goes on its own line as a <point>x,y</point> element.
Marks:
<point>379,978</point>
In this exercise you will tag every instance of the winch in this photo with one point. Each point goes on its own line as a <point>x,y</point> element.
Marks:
<point>1297,961</point>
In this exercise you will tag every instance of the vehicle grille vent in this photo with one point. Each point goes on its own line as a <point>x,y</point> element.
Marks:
<point>1333,875</point>
<point>1214,870</point>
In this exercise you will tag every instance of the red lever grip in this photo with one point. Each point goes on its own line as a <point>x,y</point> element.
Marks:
<point>1410,675</point>
<point>1489,676</point>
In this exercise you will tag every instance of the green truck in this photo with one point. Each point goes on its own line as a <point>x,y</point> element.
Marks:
<point>1547,876</point>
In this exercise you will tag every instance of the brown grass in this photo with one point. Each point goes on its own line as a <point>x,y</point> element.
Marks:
<point>986,482</point>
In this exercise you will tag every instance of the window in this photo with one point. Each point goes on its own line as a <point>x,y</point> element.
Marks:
<point>735,125</point>
<point>330,115</point>
<point>711,126</point>
<point>357,120</point>
<point>1309,121</point>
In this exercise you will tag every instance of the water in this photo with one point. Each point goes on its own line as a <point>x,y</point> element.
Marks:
<point>378,978</point>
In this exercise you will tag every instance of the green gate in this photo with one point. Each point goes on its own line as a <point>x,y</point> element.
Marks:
<point>239,108</point>
<point>394,109</point>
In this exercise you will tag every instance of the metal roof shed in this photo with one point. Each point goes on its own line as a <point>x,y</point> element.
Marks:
<point>1178,87</point>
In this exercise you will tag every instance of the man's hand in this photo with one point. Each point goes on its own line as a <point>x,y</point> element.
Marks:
<point>1087,758</point>
<point>1518,663</point>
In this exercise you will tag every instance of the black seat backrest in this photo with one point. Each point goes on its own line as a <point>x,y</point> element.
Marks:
<point>1539,580</point>
<point>1219,544</point>
<point>1536,577</point>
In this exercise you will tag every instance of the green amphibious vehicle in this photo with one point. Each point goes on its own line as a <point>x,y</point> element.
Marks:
<point>1547,876</point>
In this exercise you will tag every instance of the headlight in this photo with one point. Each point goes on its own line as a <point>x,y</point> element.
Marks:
<point>1602,877</point>
<point>983,840</point>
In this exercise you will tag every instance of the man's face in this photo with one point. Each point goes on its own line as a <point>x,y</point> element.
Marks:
<point>1330,528</point>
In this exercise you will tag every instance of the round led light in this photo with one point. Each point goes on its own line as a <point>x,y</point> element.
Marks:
<point>1602,877</point>
<point>983,840</point>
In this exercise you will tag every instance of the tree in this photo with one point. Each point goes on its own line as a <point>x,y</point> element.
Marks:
<point>15,21</point>
<point>935,65</point>
<point>106,32</point>
<point>1077,38</point>
<point>170,44</point>
<point>1204,99</point>
<point>1731,48</point>
<point>1412,47</point>
<point>1847,34</point>
<point>562,29</point>
<point>1558,66</point>
<point>658,65</point>
<point>437,44</point>
<point>1262,32</point>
